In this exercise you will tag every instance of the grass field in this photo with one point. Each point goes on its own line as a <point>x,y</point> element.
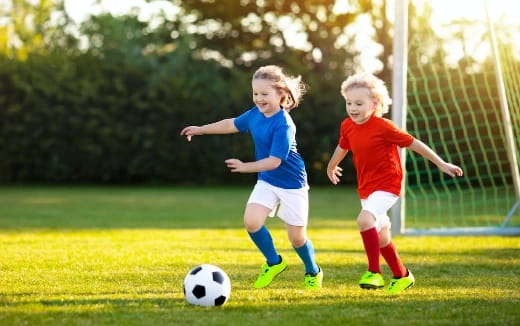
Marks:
<point>117,256</point>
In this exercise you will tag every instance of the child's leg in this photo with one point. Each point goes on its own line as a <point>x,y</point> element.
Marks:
<point>254,219</point>
<point>303,247</point>
<point>403,278</point>
<point>389,253</point>
<point>370,237</point>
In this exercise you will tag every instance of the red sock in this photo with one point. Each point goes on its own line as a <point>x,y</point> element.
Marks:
<point>394,262</point>
<point>371,242</point>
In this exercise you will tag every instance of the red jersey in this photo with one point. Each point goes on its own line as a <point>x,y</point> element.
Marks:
<point>374,148</point>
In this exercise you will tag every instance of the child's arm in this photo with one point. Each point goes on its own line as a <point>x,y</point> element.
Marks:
<point>266,164</point>
<point>333,170</point>
<point>422,149</point>
<point>226,126</point>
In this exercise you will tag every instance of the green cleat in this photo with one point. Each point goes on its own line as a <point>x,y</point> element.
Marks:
<point>371,280</point>
<point>398,285</point>
<point>313,282</point>
<point>269,273</point>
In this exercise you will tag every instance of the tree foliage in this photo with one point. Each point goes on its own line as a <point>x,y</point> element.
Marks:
<point>112,109</point>
<point>112,113</point>
<point>34,28</point>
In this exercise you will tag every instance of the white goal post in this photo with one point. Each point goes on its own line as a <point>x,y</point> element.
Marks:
<point>399,116</point>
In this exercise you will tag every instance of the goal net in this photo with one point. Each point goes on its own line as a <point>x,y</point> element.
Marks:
<point>467,108</point>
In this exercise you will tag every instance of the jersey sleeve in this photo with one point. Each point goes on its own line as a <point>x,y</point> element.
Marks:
<point>343,140</point>
<point>397,136</point>
<point>242,121</point>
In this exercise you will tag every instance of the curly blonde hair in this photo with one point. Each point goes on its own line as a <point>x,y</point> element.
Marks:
<point>291,88</point>
<point>375,86</point>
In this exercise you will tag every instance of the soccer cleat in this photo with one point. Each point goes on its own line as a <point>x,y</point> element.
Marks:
<point>269,272</point>
<point>398,285</point>
<point>313,282</point>
<point>371,280</point>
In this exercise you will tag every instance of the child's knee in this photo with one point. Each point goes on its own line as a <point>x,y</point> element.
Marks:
<point>384,236</point>
<point>297,237</point>
<point>298,242</point>
<point>365,220</point>
<point>252,225</point>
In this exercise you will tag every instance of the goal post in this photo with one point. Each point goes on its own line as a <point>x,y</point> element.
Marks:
<point>506,116</point>
<point>462,111</point>
<point>400,61</point>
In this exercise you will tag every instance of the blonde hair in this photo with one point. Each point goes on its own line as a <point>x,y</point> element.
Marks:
<point>375,86</point>
<point>291,88</point>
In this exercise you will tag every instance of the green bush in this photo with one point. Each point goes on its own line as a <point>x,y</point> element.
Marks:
<point>83,119</point>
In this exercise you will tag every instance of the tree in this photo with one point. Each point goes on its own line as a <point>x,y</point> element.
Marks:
<point>34,28</point>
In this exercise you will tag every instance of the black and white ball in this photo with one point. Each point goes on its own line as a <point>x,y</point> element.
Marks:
<point>207,285</point>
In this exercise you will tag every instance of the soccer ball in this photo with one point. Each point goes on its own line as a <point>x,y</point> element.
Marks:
<point>207,285</point>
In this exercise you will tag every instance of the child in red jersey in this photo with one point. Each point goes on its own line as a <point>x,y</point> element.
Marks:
<point>374,141</point>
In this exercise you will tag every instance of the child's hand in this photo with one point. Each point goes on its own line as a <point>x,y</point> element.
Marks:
<point>191,131</point>
<point>334,174</point>
<point>235,165</point>
<point>452,170</point>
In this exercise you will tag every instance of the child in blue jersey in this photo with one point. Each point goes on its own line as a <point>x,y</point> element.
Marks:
<point>282,179</point>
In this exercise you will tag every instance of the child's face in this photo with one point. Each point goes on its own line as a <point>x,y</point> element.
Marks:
<point>266,97</point>
<point>359,104</point>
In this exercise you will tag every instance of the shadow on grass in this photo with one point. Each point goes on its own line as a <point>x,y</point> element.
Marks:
<point>165,301</point>
<point>80,207</point>
<point>474,299</point>
<point>142,207</point>
<point>320,310</point>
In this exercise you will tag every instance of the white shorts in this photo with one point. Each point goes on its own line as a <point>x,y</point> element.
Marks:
<point>292,204</point>
<point>378,204</point>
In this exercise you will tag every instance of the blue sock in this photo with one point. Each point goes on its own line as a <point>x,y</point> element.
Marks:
<point>264,242</point>
<point>306,253</point>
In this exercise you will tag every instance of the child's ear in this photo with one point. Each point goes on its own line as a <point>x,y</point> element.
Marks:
<point>283,99</point>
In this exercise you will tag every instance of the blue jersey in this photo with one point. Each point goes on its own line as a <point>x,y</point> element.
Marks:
<point>275,136</point>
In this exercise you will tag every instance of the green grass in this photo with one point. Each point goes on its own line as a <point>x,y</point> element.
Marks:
<point>117,256</point>
<point>435,208</point>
